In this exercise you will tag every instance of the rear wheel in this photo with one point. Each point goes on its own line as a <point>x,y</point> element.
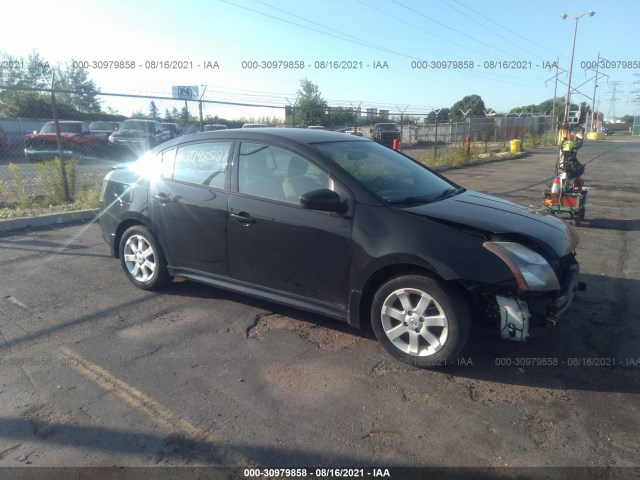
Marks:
<point>142,259</point>
<point>576,219</point>
<point>420,321</point>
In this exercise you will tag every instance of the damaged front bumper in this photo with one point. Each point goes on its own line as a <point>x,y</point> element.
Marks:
<point>516,315</point>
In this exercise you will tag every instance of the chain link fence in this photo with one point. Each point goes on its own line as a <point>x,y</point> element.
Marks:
<point>498,129</point>
<point>90,133</point>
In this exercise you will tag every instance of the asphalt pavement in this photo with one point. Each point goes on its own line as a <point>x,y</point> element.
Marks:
<point>94,372</point>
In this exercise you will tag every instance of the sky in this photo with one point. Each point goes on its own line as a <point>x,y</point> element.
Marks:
<point>411,56</point>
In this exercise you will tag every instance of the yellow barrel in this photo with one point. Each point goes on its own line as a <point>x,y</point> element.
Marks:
<point>514,146</point>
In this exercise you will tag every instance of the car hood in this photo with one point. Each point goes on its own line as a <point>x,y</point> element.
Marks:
<point>500,217</point>
<point>51,137</point>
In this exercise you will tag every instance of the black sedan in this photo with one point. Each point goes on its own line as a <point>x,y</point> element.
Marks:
<point>341,226</point>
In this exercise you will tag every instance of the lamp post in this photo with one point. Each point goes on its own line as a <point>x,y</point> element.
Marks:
<point>573,49</point>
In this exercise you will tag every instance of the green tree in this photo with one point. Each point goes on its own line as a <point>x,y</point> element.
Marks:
<point>340,116</point>
<point>184,115</point>
<point>443,116</point>
<point>473,103</point>
<point>75,79</point>
<point>153,111</point>
<point>311,108</point>
<point>30,72</point>
<point>36,73</point>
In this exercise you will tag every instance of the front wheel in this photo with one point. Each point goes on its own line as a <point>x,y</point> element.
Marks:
<point>420,321</point>
<point>142,259</point>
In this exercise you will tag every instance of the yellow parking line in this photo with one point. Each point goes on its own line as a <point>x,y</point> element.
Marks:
<point>148,406</point>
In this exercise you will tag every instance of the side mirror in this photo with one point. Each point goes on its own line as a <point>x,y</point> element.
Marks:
<point>323,200</point>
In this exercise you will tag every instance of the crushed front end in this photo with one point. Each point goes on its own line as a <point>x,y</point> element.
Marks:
<point>543,289</point>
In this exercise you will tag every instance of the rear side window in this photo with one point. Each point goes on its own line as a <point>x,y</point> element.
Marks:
<point>201,163</point>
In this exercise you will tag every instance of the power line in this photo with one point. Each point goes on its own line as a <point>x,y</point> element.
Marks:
<point>389,15</point>
<point>454,30</point>
<point>613,99</point>
<point>487,28</point>
<point>318,24</point>
<point>341,36</point>
<point>505,28</point>
<point>494,77</point>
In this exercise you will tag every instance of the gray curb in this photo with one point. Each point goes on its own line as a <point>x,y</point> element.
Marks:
<point>40,221</point>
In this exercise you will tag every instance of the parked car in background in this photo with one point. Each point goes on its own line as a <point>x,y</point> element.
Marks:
<point>103,128</point>
<point>316,127</point>
<point>385,133</point>
<point>344,227</point>
<point>139,135</point>
<point>174,129</point>
<point>254,125</point>
<point>607,131</point>
<point>357,133</point>
<point>76,138</point>
<point>214,127</point>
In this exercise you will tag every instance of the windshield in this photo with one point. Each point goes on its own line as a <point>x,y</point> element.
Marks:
<point>64,128</point>
<point>102,126</point>
<point>387,173</point>
<point>385,126</point>
<point>136,125</point>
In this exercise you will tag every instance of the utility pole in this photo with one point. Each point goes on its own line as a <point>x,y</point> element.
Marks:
<point>593,99</point>
<point>63,168</point>
<point>401,118</point>
<point>573,50</point>
<point>200,108</point>
<point>554,121</point>
<point>435,149</point>
<point>356,112</point>
<point>464,130</point>
<point>612,106</point>
<point>293,111</point>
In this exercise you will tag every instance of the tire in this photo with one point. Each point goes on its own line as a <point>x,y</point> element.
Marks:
<point>142,259</point>
<point>578,217</point>
<point>420,321</point>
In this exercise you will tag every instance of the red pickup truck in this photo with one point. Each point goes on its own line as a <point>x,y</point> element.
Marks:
<point>76,137</point>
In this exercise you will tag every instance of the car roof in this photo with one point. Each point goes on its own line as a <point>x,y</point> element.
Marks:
<point>141,120</point>
<point>302,135</point>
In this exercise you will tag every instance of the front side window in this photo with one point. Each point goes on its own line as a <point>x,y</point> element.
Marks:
<point>201,163</point>
<point>50,127</point>
<point>385,172</point>
<point>277,174</point>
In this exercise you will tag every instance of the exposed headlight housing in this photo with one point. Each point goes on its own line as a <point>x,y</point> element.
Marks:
<point>574,239</point>
<point>531,271</point>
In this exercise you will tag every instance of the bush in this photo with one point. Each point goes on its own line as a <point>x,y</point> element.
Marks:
<point>50,176</point>
<point>454,155</point>
<point>17,182</point>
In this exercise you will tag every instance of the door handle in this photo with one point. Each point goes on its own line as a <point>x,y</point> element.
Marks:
<point>243,218</point>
